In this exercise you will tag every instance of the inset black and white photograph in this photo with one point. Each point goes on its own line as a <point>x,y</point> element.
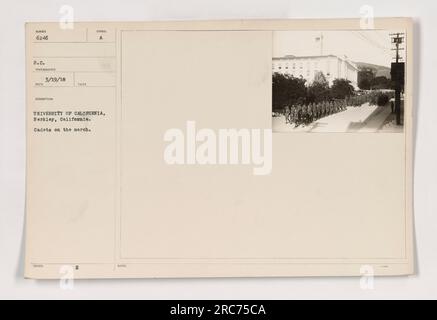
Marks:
<point>338,81</point>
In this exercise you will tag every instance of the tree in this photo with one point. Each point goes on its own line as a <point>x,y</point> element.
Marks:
<point>365,78</point>
<point>287,90</point>
<point>341,88</point>
<point>320,78</point>
<point>381,83</point>
<point>319,89</point>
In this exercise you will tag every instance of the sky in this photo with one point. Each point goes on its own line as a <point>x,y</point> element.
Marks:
<point>370,46</point>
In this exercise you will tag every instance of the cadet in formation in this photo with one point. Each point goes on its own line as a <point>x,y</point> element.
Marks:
<point>301,114</point>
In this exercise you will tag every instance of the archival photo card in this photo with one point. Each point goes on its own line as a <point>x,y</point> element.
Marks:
<point>338,81</point>
<point>150,151</point>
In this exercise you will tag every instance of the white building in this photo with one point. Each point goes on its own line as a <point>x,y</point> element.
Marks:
<point>331,66</point>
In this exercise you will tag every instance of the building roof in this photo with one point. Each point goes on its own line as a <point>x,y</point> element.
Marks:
<point>293,57</point>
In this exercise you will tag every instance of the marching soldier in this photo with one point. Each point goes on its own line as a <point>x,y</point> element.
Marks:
<point>304,114</point>
<point>318,110</point>
<point>299,115</point>
<point>311,113</point>
<point>290,116</point>
<point>287,114</point>
<point>295,114</point>
<point>337,106</point>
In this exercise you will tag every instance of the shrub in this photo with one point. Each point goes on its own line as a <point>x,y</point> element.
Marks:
<point>382,99</point>
<point>318,90</point>
<point>287,90</point>
<point>341,88</point>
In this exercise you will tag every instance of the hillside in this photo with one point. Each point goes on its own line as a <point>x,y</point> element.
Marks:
<point>380,71</point>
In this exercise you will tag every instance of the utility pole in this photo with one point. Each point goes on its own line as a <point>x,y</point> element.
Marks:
<point>398,73</point>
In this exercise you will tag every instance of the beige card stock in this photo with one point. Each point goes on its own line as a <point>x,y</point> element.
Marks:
<point>122,180</point>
